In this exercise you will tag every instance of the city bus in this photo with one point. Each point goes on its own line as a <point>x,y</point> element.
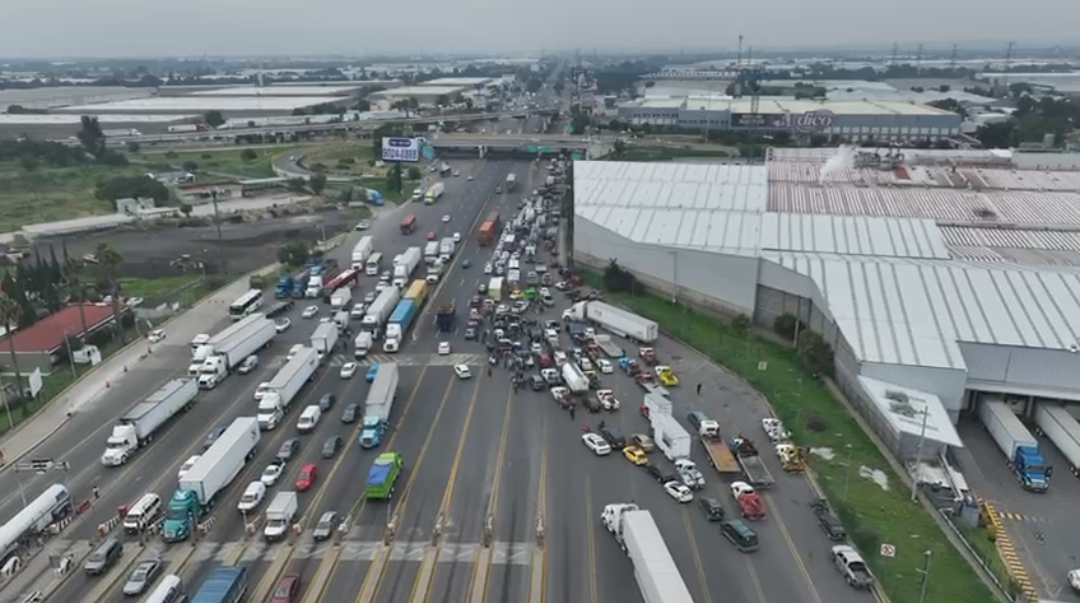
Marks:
<point>246,304</point>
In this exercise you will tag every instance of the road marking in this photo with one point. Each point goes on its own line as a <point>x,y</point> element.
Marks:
<point>538,575</point>
<point>698,565</point>
<point>377,570</point>
<point>755,579</point>
<point>591,538</point>
<point>794,550</point>
<point>482,572</point>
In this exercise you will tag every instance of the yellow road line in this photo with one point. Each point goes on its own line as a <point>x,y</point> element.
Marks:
<point>536,593</point>
<point>794,550</point>
<point>755,579</point>
<point>493,500</point>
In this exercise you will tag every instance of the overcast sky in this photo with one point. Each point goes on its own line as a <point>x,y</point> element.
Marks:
<point>253,27</point>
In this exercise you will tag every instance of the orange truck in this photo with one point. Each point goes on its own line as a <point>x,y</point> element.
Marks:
<point>489,229</point>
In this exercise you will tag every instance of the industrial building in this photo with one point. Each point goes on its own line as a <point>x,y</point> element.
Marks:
<point>59,126</point>
<point>853,120</point>
<point>426,96</point>
<point>63,96</point>
<point>934,275</point>
<point>282,91</point>
<point>229,106</point>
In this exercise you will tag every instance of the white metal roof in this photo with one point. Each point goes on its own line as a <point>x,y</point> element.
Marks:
<point>853,235</point>
<point>959,155</point>
<point>730,232</point>
<point>906,409</point>
<point>279,91</point>
<point>457,81</point>
<point>201,103</point>
<point>57,119</point>
<point>914,311</point>
<point>424,91</point>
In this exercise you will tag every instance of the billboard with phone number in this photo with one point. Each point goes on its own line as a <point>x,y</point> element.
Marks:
<point>400,148</point>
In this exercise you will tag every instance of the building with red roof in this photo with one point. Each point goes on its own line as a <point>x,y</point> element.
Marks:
<point>39,344</point>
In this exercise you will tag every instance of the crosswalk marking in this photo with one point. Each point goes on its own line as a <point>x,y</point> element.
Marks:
<point>337,360</point>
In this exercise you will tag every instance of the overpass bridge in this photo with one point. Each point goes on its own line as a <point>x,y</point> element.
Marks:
<point>538,143</point>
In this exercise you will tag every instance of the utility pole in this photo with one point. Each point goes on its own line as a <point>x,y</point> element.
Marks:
<point>918,59</point>
<point>952,59</point>
<point>895,53</point>
<point>1008,56</point>
<point>738,61</point>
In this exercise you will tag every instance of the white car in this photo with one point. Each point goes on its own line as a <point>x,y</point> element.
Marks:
<point>310,311</point>
<point>348,370</point>
<point>456,173</point>
<point>457,237</point>
<point>488,268</point>
<point>597,444</point>
<point>560,357</point>
<point>605,366</point>
<point>1074,579</point>
<point>444,348</point>
<point>357,311</point>
<point>156,336</point>
<point>470,177</point>
<point>283,325</point>
<point>272,473</point>
<point>188,464</point>
<point>379,286</point>
<point>446,218</point>
<point>608,400</point>
<point>462,371</point>
<point>679,491</point>
<point>774,429</point>
<point>544,291</point>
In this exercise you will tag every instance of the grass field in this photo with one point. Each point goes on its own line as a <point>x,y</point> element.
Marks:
<point>46,194</point>
<point>873,515</point>
<point>349,159</point>
<point>225,161</point>
<point>153,288</point>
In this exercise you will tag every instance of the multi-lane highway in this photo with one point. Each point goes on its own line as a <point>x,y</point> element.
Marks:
<point>482,462</point>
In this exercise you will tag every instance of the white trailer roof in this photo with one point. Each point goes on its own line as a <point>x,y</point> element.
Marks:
<point>657,559</point>
<point>239,430</point>
<point>283,376</point>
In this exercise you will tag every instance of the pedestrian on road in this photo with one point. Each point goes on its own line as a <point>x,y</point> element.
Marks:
<point>572,413</point>
<point>699,389</point>
<point>97,493</point>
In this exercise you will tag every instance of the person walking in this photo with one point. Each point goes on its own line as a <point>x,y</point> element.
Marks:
<point>572,413</point>
<point>699,389</point>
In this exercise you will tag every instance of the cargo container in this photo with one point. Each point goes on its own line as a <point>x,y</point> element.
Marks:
<point>489,228</point>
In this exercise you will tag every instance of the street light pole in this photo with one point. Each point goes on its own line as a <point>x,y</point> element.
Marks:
<point>847,474</point>
<point>918,452</point>
<point>925,571</point>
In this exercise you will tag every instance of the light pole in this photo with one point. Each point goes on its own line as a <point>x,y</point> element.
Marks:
<point>847,473</point>
<point>918,452</point>
<point>38,467</point>
<point>71,355</point>
<point>925,571</point>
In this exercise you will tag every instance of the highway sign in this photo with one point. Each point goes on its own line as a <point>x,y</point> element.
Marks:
<point>531,148</point>
<point>428,152</point>
<point>399,148</point>
<point>575,156</point>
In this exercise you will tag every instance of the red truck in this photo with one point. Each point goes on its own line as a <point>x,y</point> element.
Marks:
<point>489,229</point>
<point>408,224</point>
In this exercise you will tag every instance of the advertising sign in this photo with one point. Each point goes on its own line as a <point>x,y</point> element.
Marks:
<point>815,121</point>
<point>775,121</point>
<point>400,148</point>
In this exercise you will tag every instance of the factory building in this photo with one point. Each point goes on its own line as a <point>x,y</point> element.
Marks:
<point>426,95</point>
<point>936,276</point>
<point>853,120</point>
<point>229,106</point>
<point>60,127</point>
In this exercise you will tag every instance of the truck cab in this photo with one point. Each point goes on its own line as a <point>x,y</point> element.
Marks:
<point>270,412</point>
<point>123,442</point>
<point>212,372</point>
<point>391,345</point>
<point>362,344</point>
<point>180,516</point>
<point>371,436</point>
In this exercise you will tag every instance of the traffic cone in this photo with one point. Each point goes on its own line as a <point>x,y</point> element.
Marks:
<point>125,368</point>
<point>108,384</point>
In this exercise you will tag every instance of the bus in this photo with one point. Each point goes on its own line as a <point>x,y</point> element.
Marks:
<point>246,304</point>
<point>408,224</point>
<point>374,262</point>
<point>345,278</point>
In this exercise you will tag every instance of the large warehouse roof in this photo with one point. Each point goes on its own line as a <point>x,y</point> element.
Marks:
<point>202,104</point>
<point>280,91</point>
<point>57,119</point>
<point>425,91</point>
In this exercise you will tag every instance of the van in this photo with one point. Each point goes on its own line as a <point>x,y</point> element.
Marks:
<point>103,557</point>
<point>741,535</point>
<point>167,591</point>
<point>143,513</point>
<point>309,419</point>
<point>252,496</point>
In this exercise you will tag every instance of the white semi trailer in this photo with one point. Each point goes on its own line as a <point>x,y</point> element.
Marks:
<point>655,572</point>
<point>138,426</point>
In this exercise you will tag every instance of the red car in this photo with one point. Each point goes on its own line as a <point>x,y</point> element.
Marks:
<point>286,590</point>
<point>308,474</point>
<point>431,235</point>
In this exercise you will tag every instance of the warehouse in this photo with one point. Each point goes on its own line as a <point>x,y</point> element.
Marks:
<point>852,120</point>
<point>936,272</point>
<point>426,96</point>
<point>57,126</point>
<point>228,106</point>
<point>282,91</point>
<point>63,96</point>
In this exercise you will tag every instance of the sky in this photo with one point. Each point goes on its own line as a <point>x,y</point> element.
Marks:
<point>155,28</point>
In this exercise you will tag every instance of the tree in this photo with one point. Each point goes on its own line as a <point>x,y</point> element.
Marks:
<point>396,183</point>
<point>76,287</point>
<point>293,254</point>
<point>414,173</point>
<point>111,260</point>
<point>133,147</point>
<point>214,119</point>
<point>317,183</point>
<point>185,209</point>
<point>413,103</point>
<point>132,187</point>
<point>620,147</point>
<point>9,317</point>
<point>91,137</point>
<point>29,163</point>
<point>248,155</point>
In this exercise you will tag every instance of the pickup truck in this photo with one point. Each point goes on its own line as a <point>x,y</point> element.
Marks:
<point>750,505</point>
<point>852,566</point>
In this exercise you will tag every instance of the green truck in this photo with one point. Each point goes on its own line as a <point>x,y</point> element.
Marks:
<point>382,477</point>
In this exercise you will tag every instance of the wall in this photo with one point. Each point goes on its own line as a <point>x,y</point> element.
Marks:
<point>1039,372</point>
<point>28,361</point>
<point>722,283</point>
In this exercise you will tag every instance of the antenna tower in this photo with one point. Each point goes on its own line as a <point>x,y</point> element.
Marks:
<point>918,59</point>
<point>952,59</point>
<point>1008,56</point>
<point>755,88</point>
<point>738,61</point>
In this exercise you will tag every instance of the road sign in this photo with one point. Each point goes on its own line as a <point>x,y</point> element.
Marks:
<point>575,156</point>
<point>531,148</point>
<point>545,148</point>
<point>888,550</point>
<point>399,148</point>
<point>428,152</point>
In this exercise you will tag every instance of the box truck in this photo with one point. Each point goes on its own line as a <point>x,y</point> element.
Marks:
<point>280,515</point>
<point>138,426</point>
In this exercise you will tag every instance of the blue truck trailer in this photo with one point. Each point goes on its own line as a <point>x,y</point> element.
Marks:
<point>225,584</point>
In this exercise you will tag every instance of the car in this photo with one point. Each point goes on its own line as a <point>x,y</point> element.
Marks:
<point>457,173</point>
<point>740,534</point>
<point>488,268</point>
<point>462,371</point>
<point>357,310</point>
<point>678,491</point>
<point>310,312</point>
<point>660,474</point>
<point>457,237</point>
<point>156,336</point>
<point>283,324</point>
<point>431,235</point>
<point>852,566</point>
<point>363,225</point>
<point>369,297</point>
<point>667,376</point>
<point>712,508</point>
<point>142,577</point>
<point>444,348</point>
<point>642,441</point>
<point>828,521</point>
<point>596,443</point>
<point>308,474</point>
<point>1074,580</point>
<point>272,473</point>
<point>466,263</point>
<point>288,450</point>
<point>331,446</point>
<point>605,366</point>
<point>635,455</point>
<point>326,402</point>
<point>470,178</point>
<point>349,369</point>
<point>446,218</point>
<point>481,288</point>
<point>213,436</point>
<point>498,189</point>
<point>325,528</point>
<point>470,334</point>
<point>248,364</point>
<point>373,370</point>
<point>188,464</point>
<point>287,590</point>
<point>350,413</point>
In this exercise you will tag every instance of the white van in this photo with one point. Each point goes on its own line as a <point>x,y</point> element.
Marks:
<point>309,419</point>
<point>143,513</point>
<point>167,591</point>
<point>252,497</point>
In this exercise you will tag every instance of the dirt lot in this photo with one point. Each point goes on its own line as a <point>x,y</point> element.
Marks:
<point>243,247</point>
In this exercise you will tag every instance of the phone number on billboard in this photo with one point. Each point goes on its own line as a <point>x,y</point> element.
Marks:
<point>394,154</point>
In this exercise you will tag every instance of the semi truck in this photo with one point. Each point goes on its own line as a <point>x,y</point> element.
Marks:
<point>400,321</point>
<point>300,283</point>
<point>225,584</point>
<point>431,252</point>
<point>206,346</point>
<point>379,403</point>
<point>618,321</point>
<point>434,192</point>
<point>361,251</point>
<point>362,344</point>
<point>341,298</point>
<point>186,128</point>
<point>488,229</point>
<point>139,425</point>
<point>669,436</point>
<point>212,473</point>
<point>280,515</point>
<point>1016,443</point>
<point>720,455</point>
<point>751,463</point>
<point>608,347</point>
<point>574,378</point>
<point>447,246</point>
<point>284,286</point>
<point>276,402</point>
<point>256,335</point>
<point>655,572</point>
<point>405,265</point>
<point>511,182</point>
<point>383,475</point>
<point>380,310</point>
<point>1063,430</point>
<point>324,340</point>
<point>444,317</point>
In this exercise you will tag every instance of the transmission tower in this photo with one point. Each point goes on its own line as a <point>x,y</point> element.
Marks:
<point>918,59</point>
<point>952,59</point>
<point>895,53</point>
<point>1008,56</point>
<point>738,61</point>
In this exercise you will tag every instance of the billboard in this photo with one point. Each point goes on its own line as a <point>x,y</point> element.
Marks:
<point>815,121</point>
<point>400,148</point>
<point>772,121</point>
